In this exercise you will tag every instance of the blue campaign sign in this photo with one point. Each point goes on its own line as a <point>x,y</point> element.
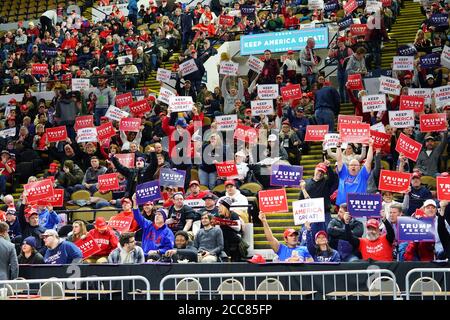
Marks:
<point>411,229</point>
<point>331,6</point>
<point>148,191</point>
<point>364,204</point>
<point>407,50</point>
<point>430,60</point>
<point>345,22</point>
<point>169,177</point>
<point>285,175</point>
<point>283,41</point>
<point>439,20</point>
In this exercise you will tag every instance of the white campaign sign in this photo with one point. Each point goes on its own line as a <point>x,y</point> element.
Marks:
<point>315,4</point>
<point>260,107</point>
<point>115,113</point>
<point>268,91</point>
<point>311,210</point>
<point>226,123</point>
<point>255,64</point>
<point>181,104</point>
<point>194,203</point>
<point>421,92</point>
<point>374,102</point>
<point>378,127</point>
<point>390,85</point>
<point>87,135</point>
<point>442,96</point>
<point>330,140</point>
<point>401,119</point>
<point>229,68</point>
<point>163,75</point>
<point>403,63</point>
<point>121,59</point>
<point>188,67</point>
<point>165,94</point>
<point>445,57</point>
<point>8,133</point>
<point>79,84</point>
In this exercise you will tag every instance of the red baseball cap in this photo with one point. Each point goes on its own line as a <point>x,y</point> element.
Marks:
<point>407,76</point>
<point>229,182</point>
<point>257,258</point>
<point>11,101</point>
<point>194,182</point>
<point>125,200</point>
<point>289,232</point>
<point>104,118</point>
<point>373,223</point>
<point>53,167</point>
<point>100,223</point>
<point>342,39</point>
<point>321,167</point>
<point>321,233</point>
<point>290,52</point>
<point>286,122</point>
<point>416,175</point>
<point>248,110</point>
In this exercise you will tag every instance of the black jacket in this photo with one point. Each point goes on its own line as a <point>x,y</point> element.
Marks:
<point>322,189</point>
<point>136,176</point>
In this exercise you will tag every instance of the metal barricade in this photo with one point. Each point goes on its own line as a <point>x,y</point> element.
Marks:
<point>308,285</point>
<point>427,283</point>
<point>88,288</point>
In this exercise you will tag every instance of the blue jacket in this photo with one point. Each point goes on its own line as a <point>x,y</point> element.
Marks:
<point>132,8</point>
<point>328,97</point>
<point>14,229</point>
<point>48,220</point>
<point>298,123</point>
<point>65,253</point>
<point>161,239</point>
<point>322,256</point>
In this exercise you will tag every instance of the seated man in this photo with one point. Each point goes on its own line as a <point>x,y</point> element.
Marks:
<point>127,251</point>
<point>48,218</point>
<point>291,251</point>
<point>105,238</point>
<point>183,248</point>
<point>60,251</point>
<point>126,206</point>
<point>180,215</point>
<point>209,240</point>
<point>157,238</point>
<point>90,180</point>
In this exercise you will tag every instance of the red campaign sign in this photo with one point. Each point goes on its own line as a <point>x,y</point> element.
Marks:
<point>56,201</point>
<point>105,131</point>
<point>358,29</point>
<point>409,147</point>
<point>355,133</point>
<point>39,68</point>
<point>121,223</point>
<point>345,119</point>
<point>224,222</point>
<point>273,200</point>
<point>108,182</point>
<point>379,138</point>
<point>386,3</point>
<point>246,134</point>
<point>412,103</point>
<point>316,132</point>
<point>226,169</point>
<point>226,20</point>
<point>443,188</point>
<point>394,181</point>
<point>139,107</point>
<point>433,122</point>
<point>88,246</point>
<point>130,124</point>
<point>82,122</point>
<point>354,82</point>
<point>124,100</point>
<point>56,134</point>
<point>291,92</point>
<point>126,159</point>
<point>39,190</point>
<point>350,6</point>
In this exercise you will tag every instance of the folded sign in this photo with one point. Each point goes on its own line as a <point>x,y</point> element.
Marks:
<point>409,147</point>
<point>433,122</point>
<point>394,181</point>
<point>316,132</point>
<point>273,200</point>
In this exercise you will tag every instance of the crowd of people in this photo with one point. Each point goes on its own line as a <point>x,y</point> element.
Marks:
<point>170,229</point>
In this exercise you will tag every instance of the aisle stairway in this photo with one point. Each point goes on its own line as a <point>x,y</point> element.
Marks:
<point>404,31</point>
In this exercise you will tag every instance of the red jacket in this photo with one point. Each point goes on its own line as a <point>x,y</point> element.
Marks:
<point>421,251</point>
<point>107,241</point>
<point>200,195</point>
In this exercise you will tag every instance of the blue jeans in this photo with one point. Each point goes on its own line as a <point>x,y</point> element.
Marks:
<point>325,116</point>
<point>207,179</point>
<point>98,113</point>
<point>342,79</point>
<point>92,189</point>
<point>2,184</point>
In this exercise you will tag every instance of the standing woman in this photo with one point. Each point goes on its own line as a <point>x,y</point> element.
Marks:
<point>214,152</point>
<point>231,233</point>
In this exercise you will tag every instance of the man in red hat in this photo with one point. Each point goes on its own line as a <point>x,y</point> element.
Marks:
<point>126,212</point>
<point>375,246</point>
<point>234,193</point>
<point>195,192</point>
<point>29,222</point>
<point>105,238</point>
<point>7,169</point>
<point>291,251</point>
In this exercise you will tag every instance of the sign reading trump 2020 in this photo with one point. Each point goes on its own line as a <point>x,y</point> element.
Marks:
<point>364,204</point>
<point>148,191</point>
<point>311,210</point>
<point>285,175</point>
<point>169,177</point>
<point>283,41</point>
<point>273,200</point>
<point>411,229</point>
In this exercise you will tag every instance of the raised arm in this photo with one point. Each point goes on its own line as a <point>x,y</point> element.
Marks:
<point>274,244</point>
<point>369,158</point>
<point>143,223</point>
<point>339,157</point>
<point>354,241</point>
